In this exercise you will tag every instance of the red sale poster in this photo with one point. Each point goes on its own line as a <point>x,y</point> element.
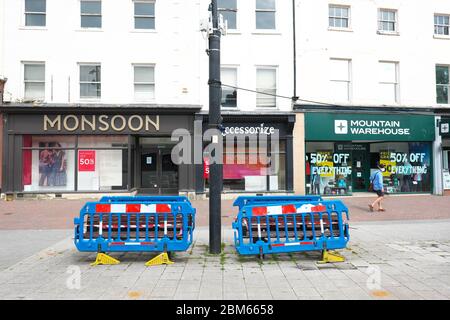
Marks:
<point>86,160</point>
<point>206,168</point>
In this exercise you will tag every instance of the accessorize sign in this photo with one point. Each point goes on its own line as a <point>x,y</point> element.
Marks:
<point>348,127</point>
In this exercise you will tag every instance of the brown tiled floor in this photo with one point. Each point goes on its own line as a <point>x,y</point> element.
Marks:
<point>59,213</point>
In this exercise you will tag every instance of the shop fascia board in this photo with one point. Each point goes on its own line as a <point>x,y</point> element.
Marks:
<point>363,109</point>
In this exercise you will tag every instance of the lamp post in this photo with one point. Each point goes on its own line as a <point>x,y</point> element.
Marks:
<point>215,120</point>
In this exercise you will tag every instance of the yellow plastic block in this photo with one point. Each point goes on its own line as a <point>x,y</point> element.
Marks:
<point>331,257</point>
<point>160,259</point>
<point>103,258</point>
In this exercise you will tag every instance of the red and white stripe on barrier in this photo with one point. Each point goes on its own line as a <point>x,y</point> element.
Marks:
<point>132,208</point>
<point>287,209</point>
<point>288,244</point>
<point>113,244</point>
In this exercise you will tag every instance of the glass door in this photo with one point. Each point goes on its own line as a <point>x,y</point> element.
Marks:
<point>149,171</point>
<point>360,169</point>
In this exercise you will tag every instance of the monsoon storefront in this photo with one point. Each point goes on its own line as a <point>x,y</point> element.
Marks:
<point>343,150</point>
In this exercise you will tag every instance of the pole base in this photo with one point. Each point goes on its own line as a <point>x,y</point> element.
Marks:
<point>160,259</point>
<point>104,259</point>
<point>331,257</point>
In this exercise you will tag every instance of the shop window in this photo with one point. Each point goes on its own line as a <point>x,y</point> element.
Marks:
<point>144,83</point>
<point>35,13</point>
<point>229,95</point>
<point>102,163</point>
<point>266,86</point>
<point>228,9</point>
<point>442,84</point>
<point>91,14</point>
<point>48,163</point>
<point>254,168</point>
<point>265,14</point>
<point>144,14</point>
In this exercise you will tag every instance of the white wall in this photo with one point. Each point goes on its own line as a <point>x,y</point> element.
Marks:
<point>2,21</point>
<point>176,47</point>
<point>415,48</point>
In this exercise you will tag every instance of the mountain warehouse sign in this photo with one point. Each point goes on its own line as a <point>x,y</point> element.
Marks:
<point>101,123</point>
<point>351,127</point>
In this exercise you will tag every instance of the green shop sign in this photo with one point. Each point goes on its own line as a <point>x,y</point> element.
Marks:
<point>348,127</point>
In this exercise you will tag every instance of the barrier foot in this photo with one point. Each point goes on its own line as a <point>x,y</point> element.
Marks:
<point>103,258</point>
<point>160,259</point>
<point>331,257</point>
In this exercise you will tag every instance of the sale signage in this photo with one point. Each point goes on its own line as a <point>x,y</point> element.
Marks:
<point>86,160</point>
<point>206,168</point>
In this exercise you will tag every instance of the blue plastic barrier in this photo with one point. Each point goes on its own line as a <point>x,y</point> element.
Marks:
<point>135,224</point>
<point>292,224</point>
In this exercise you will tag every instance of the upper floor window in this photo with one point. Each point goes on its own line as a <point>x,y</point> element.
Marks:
<point>144,14</point>
<point>441,24</point>
<point>228,9</point>
<point>387,20</point>
<point>90,81</point>
<point>35,13</point>
<point>265,14</point>
<point>229,94</point>
<point>339,16</point>
<point>388,82</point>
<point>340,79</point>
<point>144,82</point>
<point>34,81</point>
<point>442,84</point>
<point>91,14</point>
<point>266,86</point>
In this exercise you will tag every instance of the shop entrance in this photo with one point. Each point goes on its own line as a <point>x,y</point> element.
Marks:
<point>361,167</point>
<point>159,175</point>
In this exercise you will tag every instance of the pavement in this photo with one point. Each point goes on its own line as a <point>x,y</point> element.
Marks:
<point>57,214</point>
<point>403,253</point>
<point>384,261</point>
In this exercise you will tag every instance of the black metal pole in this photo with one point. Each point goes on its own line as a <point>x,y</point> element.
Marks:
<point>215,119</point>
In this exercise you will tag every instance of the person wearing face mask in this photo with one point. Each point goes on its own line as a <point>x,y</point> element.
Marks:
<point>377,180</point>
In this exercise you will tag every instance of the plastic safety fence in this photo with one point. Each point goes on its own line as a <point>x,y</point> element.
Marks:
<point>247,200</point>
<point>290,226</point>
<point>135,224</point>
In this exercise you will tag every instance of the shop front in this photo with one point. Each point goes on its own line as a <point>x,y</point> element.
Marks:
<point>257,154</point>
<point>343,150</point>
<point>89,150</point>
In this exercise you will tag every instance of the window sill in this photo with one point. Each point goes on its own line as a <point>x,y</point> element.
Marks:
<point>441,36</point>
<point>388,33</point>
<point>266,32</point>
<point>234,32</point>
<point>33,28</point>
<point>144,31</point>
<point>89,30</point>
<point>340,29</point>
<point>266,108</point>
<point>88,100</point>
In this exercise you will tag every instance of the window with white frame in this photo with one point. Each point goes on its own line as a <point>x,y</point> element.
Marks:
<point>266,87</point>
<point>228,9</point>
<point>388,82</point>
<point>387,20</point>
<point>265,14</point>
<point>442,84</point>
<point>34,80</point>
<point>441,24</point>
<point>90,81</point>
<point>144,14</point>
<point>144,82</point>
<point>340,79</point>
<point>229,95</point>
<point>35,13</point>
<point>91,14</point>
<point>339,16</point>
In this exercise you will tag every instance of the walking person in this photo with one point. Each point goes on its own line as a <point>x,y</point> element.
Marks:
<point>377,182</point>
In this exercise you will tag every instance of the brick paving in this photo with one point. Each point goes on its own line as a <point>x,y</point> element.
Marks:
<point>59,213</point>
<point>384,260</point>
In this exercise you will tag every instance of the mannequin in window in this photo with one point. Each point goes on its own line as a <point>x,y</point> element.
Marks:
<point>315,182</point>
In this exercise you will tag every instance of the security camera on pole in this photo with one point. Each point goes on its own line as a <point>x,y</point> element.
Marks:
<point>215,29</point>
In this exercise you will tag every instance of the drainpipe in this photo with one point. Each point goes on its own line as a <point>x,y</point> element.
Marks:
<point>2,88</point>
